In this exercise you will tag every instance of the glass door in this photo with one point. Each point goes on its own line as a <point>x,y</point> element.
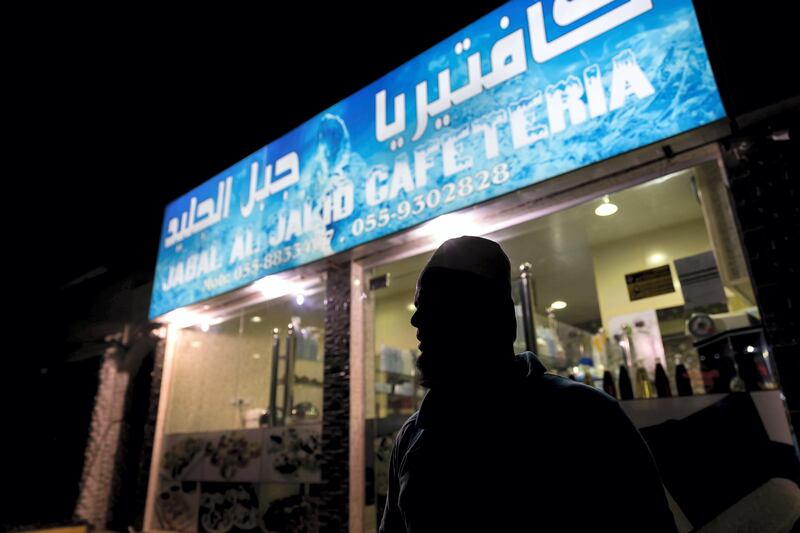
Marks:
<point>242,432</point>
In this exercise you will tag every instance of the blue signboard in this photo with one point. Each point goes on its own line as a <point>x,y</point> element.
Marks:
<point>530,91</point>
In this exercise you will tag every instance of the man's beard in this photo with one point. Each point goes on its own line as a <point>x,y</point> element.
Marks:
<point>447,367</point>
<point>463,366</point>
<point>427,369</point>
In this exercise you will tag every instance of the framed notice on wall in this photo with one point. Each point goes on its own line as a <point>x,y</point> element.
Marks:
<point>648,283</point>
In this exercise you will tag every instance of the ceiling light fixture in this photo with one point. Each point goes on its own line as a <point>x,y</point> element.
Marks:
<point>606,208</point>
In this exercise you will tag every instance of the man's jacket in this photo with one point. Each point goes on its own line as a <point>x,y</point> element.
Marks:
<point>536,452</point>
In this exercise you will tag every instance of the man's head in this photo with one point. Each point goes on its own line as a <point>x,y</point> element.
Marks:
<point>465,316</point>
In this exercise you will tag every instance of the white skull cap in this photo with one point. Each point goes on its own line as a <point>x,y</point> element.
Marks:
<point>475,255</point>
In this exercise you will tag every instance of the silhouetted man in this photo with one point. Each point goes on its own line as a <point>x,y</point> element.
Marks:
<point>498,444</point>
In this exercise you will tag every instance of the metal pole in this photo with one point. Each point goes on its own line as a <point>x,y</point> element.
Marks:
<point>526,301</point>
<point>273,382</point>
<point>288,382</point>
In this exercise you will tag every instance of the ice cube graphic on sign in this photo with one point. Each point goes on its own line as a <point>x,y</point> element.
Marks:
<point>583,20</point>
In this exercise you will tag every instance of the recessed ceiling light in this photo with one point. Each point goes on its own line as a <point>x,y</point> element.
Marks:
<point>299,299</point>
<point>255,319</point>
<point>606,208</point>
<point>558,304</point>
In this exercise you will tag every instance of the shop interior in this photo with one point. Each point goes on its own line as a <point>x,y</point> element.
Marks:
<point>648,281</point>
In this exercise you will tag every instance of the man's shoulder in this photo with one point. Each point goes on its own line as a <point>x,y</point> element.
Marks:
<point>411,422</point>
<point>566,392</point>
<point>569,407</point>
<point>542,382</point>
<point>408,427</point>
<point>406,433</point>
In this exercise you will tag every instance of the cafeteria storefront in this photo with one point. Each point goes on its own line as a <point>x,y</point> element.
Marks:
<point>583,138</point>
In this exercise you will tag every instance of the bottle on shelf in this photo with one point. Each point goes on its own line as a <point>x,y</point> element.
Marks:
<point>627,331</point>
<point>682,381</point>
<point>599,342</point>
<point>737,383</point>
<point>625,387</point>
<point>586,366</point>
<point>644,384</point>
<point>608,384</point>
<point>663,388</point>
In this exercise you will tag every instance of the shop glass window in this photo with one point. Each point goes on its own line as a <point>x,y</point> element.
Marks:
<point>235,454</point>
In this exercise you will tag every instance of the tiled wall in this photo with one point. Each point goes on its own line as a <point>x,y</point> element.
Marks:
<point>336,402</point>
<point>764,172</point>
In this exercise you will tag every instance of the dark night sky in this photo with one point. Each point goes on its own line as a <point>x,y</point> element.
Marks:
<point>143,108</point>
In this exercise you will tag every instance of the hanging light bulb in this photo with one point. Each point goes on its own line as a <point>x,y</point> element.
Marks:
<point>606,208</point>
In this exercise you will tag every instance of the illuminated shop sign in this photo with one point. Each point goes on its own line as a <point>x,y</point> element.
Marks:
<point>530,91</point>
